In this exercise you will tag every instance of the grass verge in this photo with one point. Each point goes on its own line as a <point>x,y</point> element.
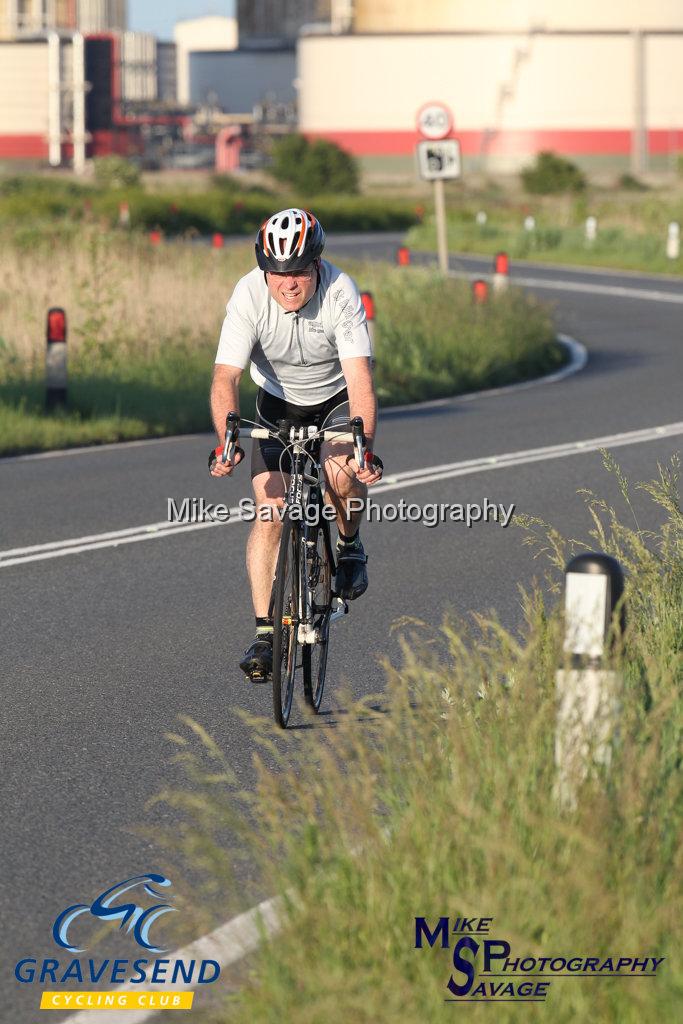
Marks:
<point>615,246</point>
<point>144,324</point>
<point>436,799</point>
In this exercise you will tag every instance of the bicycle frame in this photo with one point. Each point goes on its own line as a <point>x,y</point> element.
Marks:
<point>306,491</point>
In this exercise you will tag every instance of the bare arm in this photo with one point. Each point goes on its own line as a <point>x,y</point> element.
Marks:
<point>224,399</point>
<point>361,389</point>
<point>362,402</point>
<point>224,396</point>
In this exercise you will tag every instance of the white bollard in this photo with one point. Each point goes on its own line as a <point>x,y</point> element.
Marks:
<point>529,223</point>
<point>481,218</point>
<point>673,240</point>
<point>588,693</point>
<point>591,229</point>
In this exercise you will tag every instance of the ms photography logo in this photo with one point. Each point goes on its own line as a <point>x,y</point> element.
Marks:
<point>138,919</point>
<point>126,906</point>
<point>485,970</point>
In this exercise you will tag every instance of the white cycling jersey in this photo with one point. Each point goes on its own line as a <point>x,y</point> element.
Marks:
<point>295,355</point>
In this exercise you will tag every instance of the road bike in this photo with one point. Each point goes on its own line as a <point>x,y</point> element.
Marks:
<point>303,603</point>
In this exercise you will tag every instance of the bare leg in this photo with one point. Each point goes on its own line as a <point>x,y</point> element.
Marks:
<point>264,540</point>
<point>342,484</point>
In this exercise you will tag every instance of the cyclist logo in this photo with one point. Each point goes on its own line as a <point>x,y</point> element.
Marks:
<point>138,919</point>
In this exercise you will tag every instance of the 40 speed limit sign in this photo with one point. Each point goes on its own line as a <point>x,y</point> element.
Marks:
<point>434,121</point>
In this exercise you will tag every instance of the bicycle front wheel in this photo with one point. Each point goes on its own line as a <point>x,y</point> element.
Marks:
<point>318,577</point>
<point>285,621</point>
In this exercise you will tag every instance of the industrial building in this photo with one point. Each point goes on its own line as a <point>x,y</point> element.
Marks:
<point>25,17</point>
<point>197,35</point>
<point>74,83</point>
<point>76,95</point>
<point>581,78</point>
<point>584,79</point>
<point>279,22</point>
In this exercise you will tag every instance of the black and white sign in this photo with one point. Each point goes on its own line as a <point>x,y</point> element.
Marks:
<point>434,121</point>
<point>439,159</point>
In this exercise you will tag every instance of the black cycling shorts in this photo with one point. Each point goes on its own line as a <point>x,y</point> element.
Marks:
<point>267,454</point>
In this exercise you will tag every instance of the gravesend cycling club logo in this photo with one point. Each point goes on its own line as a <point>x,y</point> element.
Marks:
<point>485,969</point>
<point>135,907</point>
<point>137,919</point>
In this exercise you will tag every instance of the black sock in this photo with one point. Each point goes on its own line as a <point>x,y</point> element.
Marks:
<point>347,540</point>
<point>264,623</point>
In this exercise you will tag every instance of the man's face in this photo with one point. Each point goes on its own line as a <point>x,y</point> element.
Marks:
<point>293,290</point>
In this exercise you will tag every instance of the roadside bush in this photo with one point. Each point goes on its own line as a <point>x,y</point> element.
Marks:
<point>632,184</point>
<point>116,172</point>
<point>314,167</point>
<point>237,213</point>
<point>552,173</point>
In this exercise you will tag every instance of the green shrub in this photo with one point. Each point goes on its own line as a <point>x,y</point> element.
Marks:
<point>313,167</point>
<point>632,184</point>
<point>552,173</point>
<point>116,172</point>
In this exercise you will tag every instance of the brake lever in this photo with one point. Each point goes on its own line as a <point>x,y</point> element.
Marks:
<point>358,440</point>
<point>232,433</point>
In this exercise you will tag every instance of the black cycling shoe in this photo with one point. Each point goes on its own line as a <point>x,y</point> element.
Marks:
<point>352,577</point>
<point>257,663</point>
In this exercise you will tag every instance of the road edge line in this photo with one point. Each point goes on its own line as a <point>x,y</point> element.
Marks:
<point>226,944</point>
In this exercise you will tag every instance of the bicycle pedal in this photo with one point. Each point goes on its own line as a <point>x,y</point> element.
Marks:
<point>258,678</point>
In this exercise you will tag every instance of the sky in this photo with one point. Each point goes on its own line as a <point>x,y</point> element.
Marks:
<point>159,16</point>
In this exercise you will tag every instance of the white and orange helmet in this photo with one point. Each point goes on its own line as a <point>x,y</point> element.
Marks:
<point>289,241</point>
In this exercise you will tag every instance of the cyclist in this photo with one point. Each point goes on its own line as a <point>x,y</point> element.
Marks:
<point>300,323</point>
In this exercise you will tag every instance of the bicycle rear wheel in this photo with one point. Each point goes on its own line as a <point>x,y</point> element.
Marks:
<point>318,579</point>
<point>285,621</point>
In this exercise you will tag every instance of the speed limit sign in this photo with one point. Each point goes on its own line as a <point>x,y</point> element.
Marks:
<point>434,121</point>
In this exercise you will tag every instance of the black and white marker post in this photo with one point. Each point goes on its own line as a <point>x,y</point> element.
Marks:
<point>588,690</point>
<point>55,359</point>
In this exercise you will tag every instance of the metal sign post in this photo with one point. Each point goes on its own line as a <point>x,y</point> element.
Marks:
<point>441,236</point>
<point>436,162</point>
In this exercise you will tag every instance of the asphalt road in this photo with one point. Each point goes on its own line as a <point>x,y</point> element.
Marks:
<point>103,650</point>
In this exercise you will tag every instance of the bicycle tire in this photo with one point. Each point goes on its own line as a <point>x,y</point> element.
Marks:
<point>285,621</point>
<point>314,656</point>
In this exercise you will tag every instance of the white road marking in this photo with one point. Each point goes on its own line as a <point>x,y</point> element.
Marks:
<point>397,481</point>
<point>600,289</point>
<point>557,284</point>
<point>226,944</point>
<point>95,449</point>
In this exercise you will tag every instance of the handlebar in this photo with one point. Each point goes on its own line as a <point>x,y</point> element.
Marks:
<point>355,436</point>
<point>261,433</point>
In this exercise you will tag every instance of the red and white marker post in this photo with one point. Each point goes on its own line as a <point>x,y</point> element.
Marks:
<point>501,272</point>
<point>55,359</point>
<point>369,306</point>
<point>480,291</point>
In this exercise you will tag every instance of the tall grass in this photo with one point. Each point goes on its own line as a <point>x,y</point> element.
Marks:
<point>144,324</point>
<point>436,798</point>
